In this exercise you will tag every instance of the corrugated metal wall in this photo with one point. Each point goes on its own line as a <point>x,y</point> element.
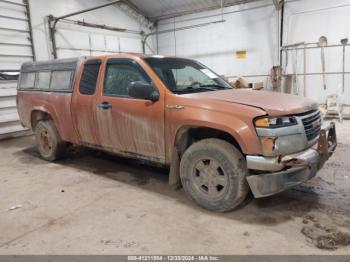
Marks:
<point>15,48</point>
<point>76,35</point>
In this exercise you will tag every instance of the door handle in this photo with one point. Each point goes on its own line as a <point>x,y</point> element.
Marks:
<point>104,106</point>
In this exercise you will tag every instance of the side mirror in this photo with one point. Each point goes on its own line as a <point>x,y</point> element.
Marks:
<point>143,90</point>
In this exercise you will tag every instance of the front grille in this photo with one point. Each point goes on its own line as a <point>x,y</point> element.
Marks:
<point>312,124</point>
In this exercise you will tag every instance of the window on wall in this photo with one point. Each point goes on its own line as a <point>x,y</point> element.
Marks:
<point>61,80</point>
<point>89,77</point>
<point>118,78</point>
<point>43,80</point>
<point>27,80</point>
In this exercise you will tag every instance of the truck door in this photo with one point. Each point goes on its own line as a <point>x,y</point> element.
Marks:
<point>126,125</point>
<point>83,102</point>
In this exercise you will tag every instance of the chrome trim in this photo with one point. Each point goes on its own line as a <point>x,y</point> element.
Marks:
<point>175,106</point>
<point>303,117</point>
<point>303,168</point>
<point>310,114</point>
<point>310,155</point>
<point>298,167</point>
<point>263,163</point>
<point>281,131</point>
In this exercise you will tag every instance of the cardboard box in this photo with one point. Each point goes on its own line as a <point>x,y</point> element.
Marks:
<point>258,86</point>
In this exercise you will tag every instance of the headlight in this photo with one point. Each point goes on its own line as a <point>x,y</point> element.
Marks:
<point>275,122</point>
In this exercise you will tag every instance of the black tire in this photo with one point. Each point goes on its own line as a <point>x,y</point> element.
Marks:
<point>49,143</point>
<point>224,187</point>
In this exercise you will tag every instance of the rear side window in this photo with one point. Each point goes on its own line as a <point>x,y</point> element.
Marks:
<point>27,80</point>
<point>89,77</point>
<point>61,80</point>
<point>43,80</point>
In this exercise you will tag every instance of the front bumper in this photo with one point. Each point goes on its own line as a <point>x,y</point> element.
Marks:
<point>296,168</point>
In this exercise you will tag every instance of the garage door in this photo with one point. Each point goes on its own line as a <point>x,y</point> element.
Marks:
<point>15,48</point>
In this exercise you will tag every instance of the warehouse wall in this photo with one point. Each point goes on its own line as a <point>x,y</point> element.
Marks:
<point>217,43</point>
<point>15,46</point>
<point>15,49</point>
<point>308,20</point>
<point>253,27</point>
<point>78,37</point>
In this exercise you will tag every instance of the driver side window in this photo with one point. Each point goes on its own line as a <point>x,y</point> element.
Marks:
<point>118,78</point>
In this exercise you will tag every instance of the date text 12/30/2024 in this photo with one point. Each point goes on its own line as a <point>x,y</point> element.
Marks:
<point>173,258</point>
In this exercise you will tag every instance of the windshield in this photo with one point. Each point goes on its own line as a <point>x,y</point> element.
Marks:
<point>183,76</point>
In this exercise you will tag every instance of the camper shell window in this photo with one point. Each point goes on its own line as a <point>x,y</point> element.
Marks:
<point>43,80</point>
<point>27,80</point>
<point>61,80</point>
<point>53,76</point>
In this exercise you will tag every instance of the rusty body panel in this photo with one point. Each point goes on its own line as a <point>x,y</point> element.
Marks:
<point>275,104</point>
<point>135,125</point>
<point>235,119</point>
<point>82,112</point>
<point>132,127</point>
<point>149,130</point>
<point>57,105</point>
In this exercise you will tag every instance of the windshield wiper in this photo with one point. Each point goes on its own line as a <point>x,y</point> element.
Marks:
<point>216,86</point>
<point>191,89</point>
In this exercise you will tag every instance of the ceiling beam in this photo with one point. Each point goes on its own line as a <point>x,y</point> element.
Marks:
<point>133,11</point>
<point>189,12</point>
<point>85,10</point>
<point>135,8</point>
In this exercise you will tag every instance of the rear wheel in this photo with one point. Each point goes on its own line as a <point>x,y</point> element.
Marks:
<point>49,142</point>
<point>213,172</point>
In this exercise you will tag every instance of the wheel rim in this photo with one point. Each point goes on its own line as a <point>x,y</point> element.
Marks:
<point>210,178</point>
<point>45,141</point>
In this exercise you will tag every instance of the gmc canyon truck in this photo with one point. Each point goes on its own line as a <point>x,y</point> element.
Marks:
<point>219,142</point>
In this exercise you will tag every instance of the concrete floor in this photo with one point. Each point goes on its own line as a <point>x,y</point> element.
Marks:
<point>93,203</point>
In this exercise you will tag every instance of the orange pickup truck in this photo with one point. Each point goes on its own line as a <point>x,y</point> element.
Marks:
<point>219,142</point>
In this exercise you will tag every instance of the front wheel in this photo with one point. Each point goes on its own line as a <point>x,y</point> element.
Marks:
<point>213,172</point>
<point>49,142</point>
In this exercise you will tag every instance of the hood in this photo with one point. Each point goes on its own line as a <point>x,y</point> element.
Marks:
<point>271,102</point>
